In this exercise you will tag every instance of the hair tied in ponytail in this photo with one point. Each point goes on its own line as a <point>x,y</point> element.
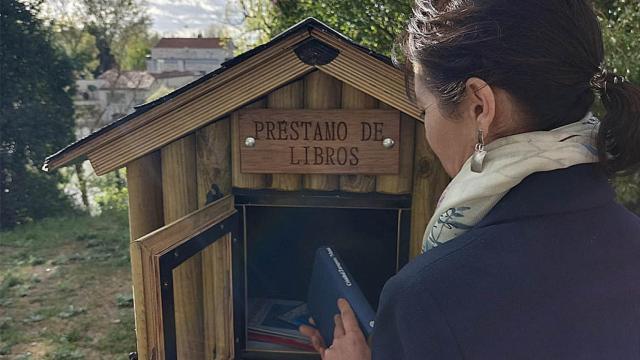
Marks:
<point>619,134</point>
<point>598,82</point>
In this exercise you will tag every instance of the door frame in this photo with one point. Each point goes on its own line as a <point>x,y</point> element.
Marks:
<point>155,255</point>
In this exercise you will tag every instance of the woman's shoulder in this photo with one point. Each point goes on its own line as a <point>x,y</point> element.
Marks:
<point>551,211</point>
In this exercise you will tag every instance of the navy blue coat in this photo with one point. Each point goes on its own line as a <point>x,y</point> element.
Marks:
<point>552,272</point>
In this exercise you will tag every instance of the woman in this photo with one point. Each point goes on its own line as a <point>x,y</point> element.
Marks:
<point>528,255</point>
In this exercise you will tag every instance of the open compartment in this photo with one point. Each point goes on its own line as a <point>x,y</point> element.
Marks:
<point>282,233</point>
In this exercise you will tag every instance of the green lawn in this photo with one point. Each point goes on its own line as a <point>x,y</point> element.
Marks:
<point>65,289</point>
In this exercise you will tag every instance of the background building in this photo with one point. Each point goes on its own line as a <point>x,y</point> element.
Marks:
<point>197,55</point>
<point>173,62</point>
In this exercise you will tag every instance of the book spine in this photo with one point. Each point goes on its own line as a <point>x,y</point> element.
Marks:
<point>350,290</point>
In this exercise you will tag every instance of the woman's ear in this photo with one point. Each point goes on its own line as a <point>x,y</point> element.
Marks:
<point>482,103</point>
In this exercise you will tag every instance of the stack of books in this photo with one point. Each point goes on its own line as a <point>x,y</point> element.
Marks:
<point>272,324</point>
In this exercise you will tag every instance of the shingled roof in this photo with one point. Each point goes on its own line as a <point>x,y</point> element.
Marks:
<point>290,55</point>
<point>193,43</point>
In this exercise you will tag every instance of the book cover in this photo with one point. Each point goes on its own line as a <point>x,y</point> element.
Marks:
<point>296,316</point>
<point>265,316</point>
<point>330,280</point>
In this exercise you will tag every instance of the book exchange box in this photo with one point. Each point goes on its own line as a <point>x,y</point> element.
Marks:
<point>236,179</point>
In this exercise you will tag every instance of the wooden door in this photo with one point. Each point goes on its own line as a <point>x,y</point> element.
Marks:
<point>170,300</point>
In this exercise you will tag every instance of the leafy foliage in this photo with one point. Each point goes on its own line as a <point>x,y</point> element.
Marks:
<point>113,194</point>
<point>372,23</point>
<point>36,114</point>
<point>114,24</point>
<point>620,21</point>
<point>79,45</point>
<point>102,34</point>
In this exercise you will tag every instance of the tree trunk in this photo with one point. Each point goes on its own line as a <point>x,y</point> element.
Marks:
<point>82,184</point>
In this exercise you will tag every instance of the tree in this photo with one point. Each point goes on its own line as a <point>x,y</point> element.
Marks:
<point>248,22</point>
<point>372,23</point>
<point>116,26</point>
<point>36,114</point>
<point>78,44</point>
<point>100,35</point>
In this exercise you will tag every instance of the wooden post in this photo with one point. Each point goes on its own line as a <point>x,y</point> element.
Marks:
<point>144,183</point>
<point>213,159</point>
<point>321,91</point>
<point>240,179</point>
<point>429,180</point>
<point>290,96</point>
<point>401,183</point>
<point>180,195</point>
<point>353,98</point>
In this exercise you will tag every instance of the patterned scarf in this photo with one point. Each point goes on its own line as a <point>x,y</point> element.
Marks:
<point>470,196</point>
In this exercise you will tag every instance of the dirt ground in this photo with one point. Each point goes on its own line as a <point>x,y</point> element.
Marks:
<point>65,290</point>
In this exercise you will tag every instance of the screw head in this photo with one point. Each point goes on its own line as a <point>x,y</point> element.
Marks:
<point>250,141</point>
<point>388,143</point>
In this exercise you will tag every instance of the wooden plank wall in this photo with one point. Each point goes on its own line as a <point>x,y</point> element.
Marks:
<point>239,179</point>
<point>180,197</point>
<point>403,182</point>
<point>144,181</point>
<point>429,180</point>
<point>213,161</point>
<point>353,98</point>
<point>290,96</point>
<point>321,91</point>
<point>163,187</point>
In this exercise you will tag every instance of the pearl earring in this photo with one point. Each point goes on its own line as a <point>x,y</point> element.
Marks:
<point>477,160</point>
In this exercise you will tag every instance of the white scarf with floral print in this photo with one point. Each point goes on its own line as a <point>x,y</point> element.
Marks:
<point>470,196</point>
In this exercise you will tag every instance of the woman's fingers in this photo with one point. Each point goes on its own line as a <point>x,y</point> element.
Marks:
<point>349,321</point>
<point>318,345</point>
<point>314,337</point>
<point>338,330</point>
<point>307,330</point>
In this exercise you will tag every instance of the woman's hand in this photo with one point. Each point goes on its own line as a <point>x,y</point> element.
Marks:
<point>348,341</point>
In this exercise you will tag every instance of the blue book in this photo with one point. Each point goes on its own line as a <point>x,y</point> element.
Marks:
<point>330,281</point>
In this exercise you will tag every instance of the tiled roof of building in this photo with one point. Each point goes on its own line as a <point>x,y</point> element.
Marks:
<point>172,74</point>
<point>194,43</point>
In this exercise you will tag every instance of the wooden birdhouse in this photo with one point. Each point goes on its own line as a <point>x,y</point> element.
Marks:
<point>235,179</point>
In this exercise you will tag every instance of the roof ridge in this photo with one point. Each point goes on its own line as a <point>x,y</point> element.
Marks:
<point>307,24</point>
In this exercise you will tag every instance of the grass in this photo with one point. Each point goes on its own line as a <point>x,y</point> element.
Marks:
<point>65,289</point>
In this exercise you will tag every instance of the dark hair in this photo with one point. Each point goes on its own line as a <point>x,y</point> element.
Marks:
<point>544,53</point>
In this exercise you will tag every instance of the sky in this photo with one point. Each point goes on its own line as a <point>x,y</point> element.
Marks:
<point>177,18</point>
<point>185,17</point>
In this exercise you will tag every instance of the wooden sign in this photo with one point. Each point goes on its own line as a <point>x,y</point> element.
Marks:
<point>304,141</point>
